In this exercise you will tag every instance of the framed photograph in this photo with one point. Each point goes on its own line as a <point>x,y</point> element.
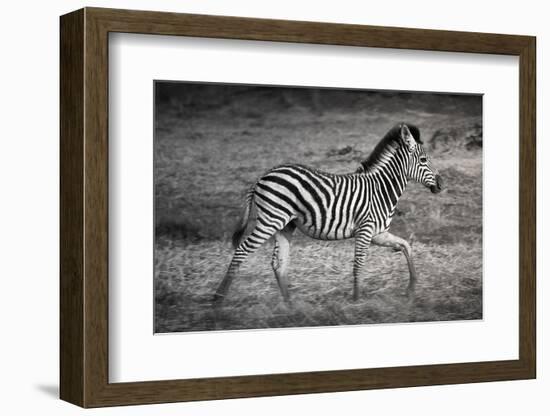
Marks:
<point>255,207</point>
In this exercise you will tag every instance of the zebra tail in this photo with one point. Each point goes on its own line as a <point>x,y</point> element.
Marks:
<point>241,228</point>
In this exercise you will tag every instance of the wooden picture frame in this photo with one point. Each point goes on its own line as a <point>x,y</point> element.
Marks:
<point>84,207</point>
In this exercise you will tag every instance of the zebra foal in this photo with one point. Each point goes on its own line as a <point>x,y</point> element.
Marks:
<point>330,206</point>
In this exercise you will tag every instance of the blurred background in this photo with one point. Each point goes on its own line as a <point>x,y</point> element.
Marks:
<point>212,141</point>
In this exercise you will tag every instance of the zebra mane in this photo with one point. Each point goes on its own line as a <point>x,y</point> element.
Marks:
<point>388,144</point>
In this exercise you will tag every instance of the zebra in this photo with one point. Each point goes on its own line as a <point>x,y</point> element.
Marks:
<point>329,206</point>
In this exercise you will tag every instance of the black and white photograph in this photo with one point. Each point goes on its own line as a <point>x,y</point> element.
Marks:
<point>293,207</point>
<point>248,208</point>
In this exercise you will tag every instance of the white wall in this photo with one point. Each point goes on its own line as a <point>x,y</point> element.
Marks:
<point>29,212</point>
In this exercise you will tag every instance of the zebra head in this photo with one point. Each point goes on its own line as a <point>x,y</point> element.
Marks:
<point>420,166</point>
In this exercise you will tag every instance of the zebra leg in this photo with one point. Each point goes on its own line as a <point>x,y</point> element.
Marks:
<point>362,242</point>
<point>249,245</point>
<point>387,239</point>
<point>281,257</point>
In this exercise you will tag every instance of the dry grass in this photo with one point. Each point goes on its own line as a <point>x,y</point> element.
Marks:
<point>320,276</point>
<point>205,161</point>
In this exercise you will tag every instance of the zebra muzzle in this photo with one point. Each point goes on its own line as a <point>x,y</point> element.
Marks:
<point>438,187</point>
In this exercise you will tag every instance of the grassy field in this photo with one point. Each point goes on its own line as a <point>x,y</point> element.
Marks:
<point>209,151</point>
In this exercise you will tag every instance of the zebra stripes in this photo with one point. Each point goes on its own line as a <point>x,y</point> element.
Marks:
<point>319,201</point>
<point>328,206</point>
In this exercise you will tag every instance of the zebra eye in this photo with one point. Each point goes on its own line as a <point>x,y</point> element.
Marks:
<point>423,159</point>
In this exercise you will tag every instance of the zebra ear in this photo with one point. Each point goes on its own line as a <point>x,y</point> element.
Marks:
<point>407,138</point>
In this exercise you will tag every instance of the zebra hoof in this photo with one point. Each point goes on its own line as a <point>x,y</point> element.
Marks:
<point>218,298</point>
